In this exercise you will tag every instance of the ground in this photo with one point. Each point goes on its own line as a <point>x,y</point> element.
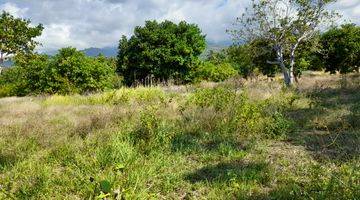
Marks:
<point>234,140</point>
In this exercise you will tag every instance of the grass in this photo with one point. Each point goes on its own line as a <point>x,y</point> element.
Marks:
<point>234,140</point>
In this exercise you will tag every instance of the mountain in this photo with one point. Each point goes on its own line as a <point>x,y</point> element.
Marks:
<point>112,51</point>
<point>107,51</point>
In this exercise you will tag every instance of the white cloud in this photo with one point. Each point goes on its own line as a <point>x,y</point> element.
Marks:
<point>349,9</point>
<point>13,9</point>
<point>100,23</point>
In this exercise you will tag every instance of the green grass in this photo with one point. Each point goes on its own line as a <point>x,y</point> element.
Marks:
<point>227,141</point>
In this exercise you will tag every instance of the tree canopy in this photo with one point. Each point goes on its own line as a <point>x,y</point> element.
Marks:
<point>16,35</point>
<point>341,48</point>
<point>161,51</point>
<point>69,71</point>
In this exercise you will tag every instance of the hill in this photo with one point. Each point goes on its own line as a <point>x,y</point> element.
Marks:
<point>112,51</point>
<point>107,51</point>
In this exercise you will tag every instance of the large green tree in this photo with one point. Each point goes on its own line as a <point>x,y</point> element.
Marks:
<point>160,51</point>
<point>341,49</point>
<point>16,36</point>
<point>284,24</point>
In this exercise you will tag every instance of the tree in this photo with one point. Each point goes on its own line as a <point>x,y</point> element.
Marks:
<point>160,50</point>
<point>69,71</point>
<point>285,24</point>
<point>239,56</point>
<point>341,49</point>
<point>16,36</point>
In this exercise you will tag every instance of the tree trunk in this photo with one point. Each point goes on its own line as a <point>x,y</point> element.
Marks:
<point>1,61</point>
<point>280,58</point>
<point>1,58</point>
<point>292,68</point>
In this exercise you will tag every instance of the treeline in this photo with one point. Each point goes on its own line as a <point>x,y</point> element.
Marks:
<point>162,53</point>
<point>336,50</point>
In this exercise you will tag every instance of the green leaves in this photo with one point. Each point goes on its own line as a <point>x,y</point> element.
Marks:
<point>160,51</point>
<point>341,48</point>
<point>70,71</point>
<point>16,35</point>
<point>105,186</point>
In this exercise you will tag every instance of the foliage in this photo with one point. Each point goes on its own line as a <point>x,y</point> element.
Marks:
<point>261,52</point>
<point>284,24</point>
<point>70,71</point>
<point>17,36</point>
<point>341,49</point>
<point>212,72</point>
<point>160,51</point>
<point>239,56</point>
<point>27,77</point>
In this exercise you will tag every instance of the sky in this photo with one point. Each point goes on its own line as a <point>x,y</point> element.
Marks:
<point>101,23</point>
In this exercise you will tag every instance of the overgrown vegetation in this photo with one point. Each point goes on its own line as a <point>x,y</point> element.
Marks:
<point>257,141</point>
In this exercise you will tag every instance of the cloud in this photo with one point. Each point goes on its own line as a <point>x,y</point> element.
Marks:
<point>13,9</point>
<point>100,23</point>
<point>349,9</point>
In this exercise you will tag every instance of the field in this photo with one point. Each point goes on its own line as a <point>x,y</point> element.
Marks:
<point>232,140</point>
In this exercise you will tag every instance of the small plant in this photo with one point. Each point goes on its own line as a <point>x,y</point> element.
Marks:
<point>219,98</point>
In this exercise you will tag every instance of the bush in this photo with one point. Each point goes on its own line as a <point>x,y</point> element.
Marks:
<point>233,113</point>
<point>28,76</point>
<point>70,71</point>
<point>218,98</point>
<point>211,72</point>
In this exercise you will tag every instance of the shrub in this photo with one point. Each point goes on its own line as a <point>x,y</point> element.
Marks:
<point>152,132</point>
<point>70,71</point>
<point>219,98</point>
<point>211,72</point>
<point>28,76</point>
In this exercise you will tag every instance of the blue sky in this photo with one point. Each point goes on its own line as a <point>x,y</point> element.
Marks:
<point>100,23</point>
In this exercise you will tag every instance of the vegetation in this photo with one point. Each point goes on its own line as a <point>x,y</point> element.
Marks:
<point>341,50</point>
<point>227,141</point>
<point>160,51</point>
<point>212,72</point>
<point>70,71</point>
<point>17,36</point>
<point>283,25</point>
<point>230,133</point>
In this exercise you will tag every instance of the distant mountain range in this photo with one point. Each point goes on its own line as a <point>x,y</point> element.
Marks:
<point>112,51</point>
<point>107,51</point>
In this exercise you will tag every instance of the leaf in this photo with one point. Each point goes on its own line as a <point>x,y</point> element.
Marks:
<point>105,186</point>
<point>119,167</point>
<point>102,196</point>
